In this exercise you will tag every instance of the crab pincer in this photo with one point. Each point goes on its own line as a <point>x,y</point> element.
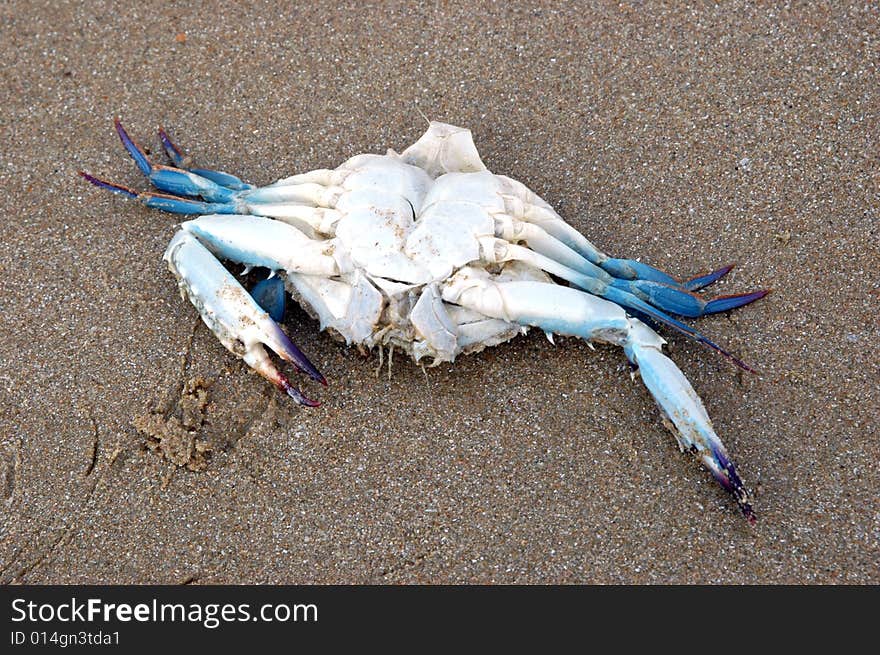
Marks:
<point>232,314</point>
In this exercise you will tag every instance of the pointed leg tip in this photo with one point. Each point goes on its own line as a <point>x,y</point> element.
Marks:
<point>745,504</point>
<point>724,471</point>
<point>280,380</point>
<point>297,395</point>
<point>741,364</point>
<point>756,295</point>
<point>120,130</point>
<point>308,402</point>
<point>746,367</point>
<point>139,156</point>
<point>723,271</point>
<point>109,186</point>
<point>734,301</point>
<point>174,152</point>
<point>702,281</point>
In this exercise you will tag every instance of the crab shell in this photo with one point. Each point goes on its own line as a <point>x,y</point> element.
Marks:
<point>428,252</point>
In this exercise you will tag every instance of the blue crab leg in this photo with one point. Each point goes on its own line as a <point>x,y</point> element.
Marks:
<point>675,299</point>
<point>174,180</point>
<point>182,182</point>
<point>187,192</point>
<point>269,294</point>
<point>508,252</point>
<point>567,311</point>
<point>628,269</point>
<point>165,202</point>
<point>184,162</point>
<point>233,316</point>
<point>318,218</point>
<point>524,204</point>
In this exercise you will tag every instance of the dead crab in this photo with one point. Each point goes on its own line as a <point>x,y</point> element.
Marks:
<point>427,252</point>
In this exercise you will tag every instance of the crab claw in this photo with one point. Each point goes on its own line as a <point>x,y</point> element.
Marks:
<point>564,310</point>
<point>684,413</point>
<point>724,471</point>
<point>233,316</point>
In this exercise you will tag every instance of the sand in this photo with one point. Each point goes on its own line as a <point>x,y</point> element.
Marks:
<point>134,448</point>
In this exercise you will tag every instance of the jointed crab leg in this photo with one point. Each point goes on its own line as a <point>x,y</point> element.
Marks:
<point>672,298</point>
<point>524,204</point>
<point>212,192</point>
<point>259,241</point>
<point>165,202</point>
<point>212,189</point>
<point>232,314</point>
<point>503,251</point>
<point>174,180</point>
<point>311,198</point>
<point>567,311</point>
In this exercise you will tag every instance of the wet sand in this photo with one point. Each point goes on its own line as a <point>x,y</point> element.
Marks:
<point>689,138</point>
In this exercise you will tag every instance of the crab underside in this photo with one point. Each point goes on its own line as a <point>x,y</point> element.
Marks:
<point>426,252</point>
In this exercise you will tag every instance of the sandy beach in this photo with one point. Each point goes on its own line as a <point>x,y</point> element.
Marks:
<point>135,449</point>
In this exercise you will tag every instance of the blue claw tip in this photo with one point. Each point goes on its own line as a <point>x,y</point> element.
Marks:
<point>726,303</point>
<point>702,281</point>
<point>133,149</point>
<point>173,151</point>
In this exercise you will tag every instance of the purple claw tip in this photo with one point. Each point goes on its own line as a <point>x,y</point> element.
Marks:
<point>295,393</point>
<point>291,353</point>
<point>756,295</point>
<point>729,479</point>
<point>170,146</point>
